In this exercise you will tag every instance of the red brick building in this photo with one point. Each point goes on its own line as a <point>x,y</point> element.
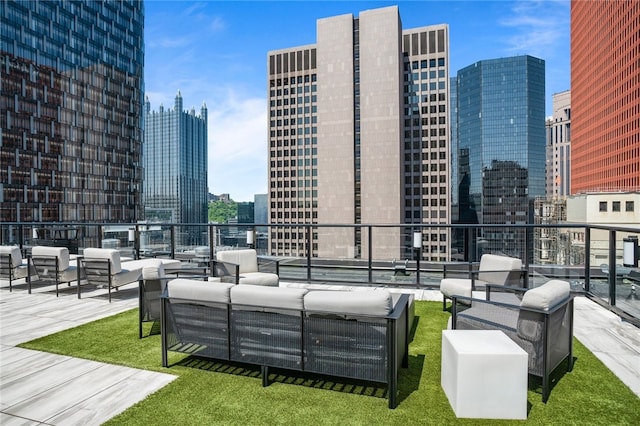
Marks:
<point>605,96</point>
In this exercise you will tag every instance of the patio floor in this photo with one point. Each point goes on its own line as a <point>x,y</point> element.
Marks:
<point>38,387</point>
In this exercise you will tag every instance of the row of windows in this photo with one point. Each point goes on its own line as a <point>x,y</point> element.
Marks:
<point>285,142</point>
<point>424,133</point>
<point>293,80</point>
<point>425,63</point>
<point>615,206</point>
<point>301,120</point>
<point>419,214</point>
<point>293,215</point>
<point>300,152</point>
<point>292,111</point>
<point>424,87</point>
<point>301,89</point>
<point>301,100</point>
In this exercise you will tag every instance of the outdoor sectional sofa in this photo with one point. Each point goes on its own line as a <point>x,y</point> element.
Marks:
<point>359,335</point>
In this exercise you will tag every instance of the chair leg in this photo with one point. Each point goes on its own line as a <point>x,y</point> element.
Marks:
<point>545,388</point>
<point>444,302</point>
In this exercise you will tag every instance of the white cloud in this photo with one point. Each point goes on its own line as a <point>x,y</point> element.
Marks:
<point>538,25</point>
<point>238,147</point>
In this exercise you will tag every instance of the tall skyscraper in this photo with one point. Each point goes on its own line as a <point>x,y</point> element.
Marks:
<point>71,110</point>
<point>358,134</point>
<point>501,148</point>
<point>175,162</point>
<point>605,96</point>
<point>559,147</point>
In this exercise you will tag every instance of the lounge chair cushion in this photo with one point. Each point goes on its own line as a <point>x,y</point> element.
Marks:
<point>260,278</point>
<point>370,303</point>
<point>14,251</point>
<point>268,297</point>
<point>455,286</point>
<point>507,269</point>
<point>183,288</point>
<point>547,295</point>
<point>247,259</point>
<point>155,268</point>
<point>112,255</point>
<point>62,253</point>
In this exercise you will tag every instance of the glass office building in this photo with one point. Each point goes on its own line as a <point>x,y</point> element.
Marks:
<point>71,110</point>
<point>175,163</point>
<point>501,149</point>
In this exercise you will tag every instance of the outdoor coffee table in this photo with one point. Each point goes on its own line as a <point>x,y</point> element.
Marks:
<point>484,374</point>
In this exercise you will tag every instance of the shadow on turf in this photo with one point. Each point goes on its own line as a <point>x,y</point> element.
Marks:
<point>407,382</point>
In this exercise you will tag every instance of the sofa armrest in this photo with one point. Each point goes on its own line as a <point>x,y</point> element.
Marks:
<point>226,271</point>
<point>268,262</point>
<point>471,301</point>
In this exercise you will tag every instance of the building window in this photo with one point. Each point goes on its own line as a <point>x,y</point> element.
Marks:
<point>603,206</point>
<point>628,206</point>
<point>615,206</point>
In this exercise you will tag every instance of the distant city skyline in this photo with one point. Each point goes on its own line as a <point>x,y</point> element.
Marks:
<point>217,51</point>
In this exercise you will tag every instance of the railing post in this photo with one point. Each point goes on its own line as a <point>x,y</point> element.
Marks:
<point>173,241</point>
<point>212,239</point>
<point>587,259</point>
<point>612,267</point>
<point>370,253</point>
<point>309,248</point>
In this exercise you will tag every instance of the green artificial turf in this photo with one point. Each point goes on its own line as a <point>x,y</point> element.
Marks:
<point>217,393</point>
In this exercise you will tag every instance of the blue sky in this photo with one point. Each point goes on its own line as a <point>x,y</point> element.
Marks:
<point>216,52</point>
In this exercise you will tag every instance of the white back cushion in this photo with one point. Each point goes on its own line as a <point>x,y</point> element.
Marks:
<point>247,259</point>
<point>99,253</point>
<point>547,295</point>
<point>374,303</point>
<point>493,262</point>
<point>14,251</point>
<point>62,253</point>
<point>203,291</point>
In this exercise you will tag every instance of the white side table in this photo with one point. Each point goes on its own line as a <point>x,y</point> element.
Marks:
<point>484,374</point>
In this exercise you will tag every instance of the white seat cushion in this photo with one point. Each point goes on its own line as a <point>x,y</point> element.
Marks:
<point>260,278</point>
<point>126,276</point>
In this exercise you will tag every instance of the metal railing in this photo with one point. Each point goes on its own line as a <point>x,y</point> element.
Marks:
<point>594,259</point>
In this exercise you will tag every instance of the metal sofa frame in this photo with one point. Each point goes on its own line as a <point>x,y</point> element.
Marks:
<point>357,347</point>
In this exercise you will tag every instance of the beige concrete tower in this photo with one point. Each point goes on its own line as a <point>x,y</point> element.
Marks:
<point>347,159</point>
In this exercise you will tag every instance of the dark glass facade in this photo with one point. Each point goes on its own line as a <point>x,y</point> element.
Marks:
<point>175,164</point>
<point>71,99</point>
<point>501,148</point>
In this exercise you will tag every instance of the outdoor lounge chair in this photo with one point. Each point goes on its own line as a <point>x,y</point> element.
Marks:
<point>12,266</point>
<point>541,323</point>
<point>152,284</point>
<point>493,269</point>
<point>52,265</point>
<point>102,267</point>
<point>245,267</point>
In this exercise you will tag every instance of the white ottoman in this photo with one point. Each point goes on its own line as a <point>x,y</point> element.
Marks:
<point>484,374</point>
